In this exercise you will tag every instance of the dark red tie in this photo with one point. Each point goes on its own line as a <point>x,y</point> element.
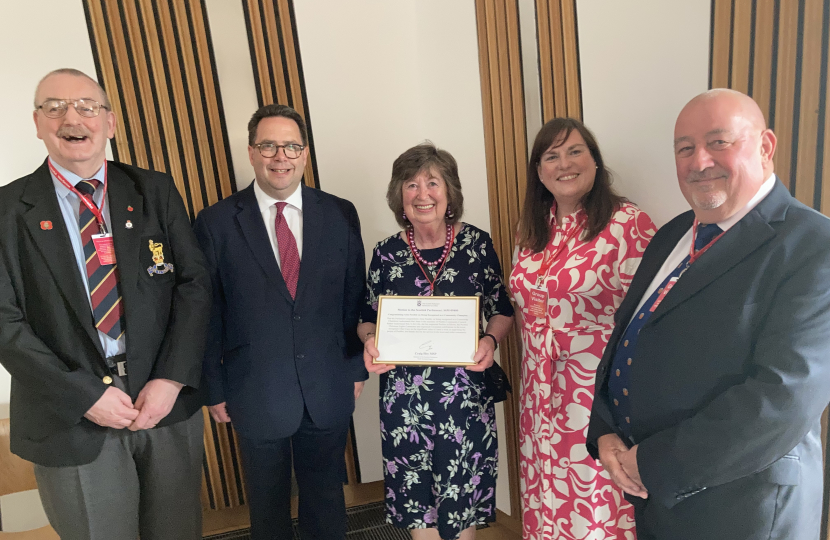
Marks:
<point>107,308</point>
<point>289,256</point>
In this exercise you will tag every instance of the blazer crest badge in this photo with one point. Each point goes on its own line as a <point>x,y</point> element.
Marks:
<point>160,267</point>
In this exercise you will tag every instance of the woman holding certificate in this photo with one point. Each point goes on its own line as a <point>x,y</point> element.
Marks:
<point>579,245</point>
<point>438,423</point>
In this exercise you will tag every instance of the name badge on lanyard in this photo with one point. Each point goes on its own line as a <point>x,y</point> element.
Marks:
<point>663,293</point>
<point>105,248</point>
<point>537,304</point>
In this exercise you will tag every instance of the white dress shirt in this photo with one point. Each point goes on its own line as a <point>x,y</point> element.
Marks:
<point>293,214</point>
<point>681,250</point>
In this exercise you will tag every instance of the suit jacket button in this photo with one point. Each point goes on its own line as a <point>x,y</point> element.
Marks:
<point>107,379</point>
<point>296,317</point>
<point>300,356</point>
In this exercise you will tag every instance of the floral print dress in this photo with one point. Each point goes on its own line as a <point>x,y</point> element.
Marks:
<point>566,494</point>
<point>438,425</point>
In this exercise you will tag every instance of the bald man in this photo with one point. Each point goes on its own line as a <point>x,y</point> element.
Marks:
<point>710,392</point>
<point>104,302</point>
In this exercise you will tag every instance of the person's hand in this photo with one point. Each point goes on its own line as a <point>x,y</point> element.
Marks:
<point>484,356</point>
<point>628,460</point>
<point>219,412</point>
<point>154,402</point>
<point>358,389</point>
<point>370,352</point>
<point>114,409</point>
<point>611,450</point>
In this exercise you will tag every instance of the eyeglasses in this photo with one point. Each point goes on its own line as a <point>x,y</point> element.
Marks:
<point>269,150</point>
<point>56,108</point>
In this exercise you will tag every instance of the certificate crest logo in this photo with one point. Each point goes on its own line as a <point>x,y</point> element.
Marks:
<point>160,267</point>
<point>419,303</point>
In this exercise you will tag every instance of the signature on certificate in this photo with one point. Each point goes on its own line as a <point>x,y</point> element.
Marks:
<point>426,346</point>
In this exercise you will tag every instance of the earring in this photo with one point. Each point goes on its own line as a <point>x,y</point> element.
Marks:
<point>404,217</point>
<point>450,214</point>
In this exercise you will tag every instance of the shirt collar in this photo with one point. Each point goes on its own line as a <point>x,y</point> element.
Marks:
<point>576,216</point>
<point>762,192</point>
<point>72,178</point>
<point>266,201</point>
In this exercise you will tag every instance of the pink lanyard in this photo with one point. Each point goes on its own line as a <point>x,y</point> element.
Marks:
<point>88,202</point>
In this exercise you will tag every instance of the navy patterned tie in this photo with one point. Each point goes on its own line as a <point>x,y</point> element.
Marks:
<point>619,381</point>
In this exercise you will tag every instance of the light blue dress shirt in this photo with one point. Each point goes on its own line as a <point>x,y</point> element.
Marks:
<point>70,206</point>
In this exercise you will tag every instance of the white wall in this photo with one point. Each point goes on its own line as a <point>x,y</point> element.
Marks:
<point>641,62</point>
<point>60,41</point>
<point>236,80</point>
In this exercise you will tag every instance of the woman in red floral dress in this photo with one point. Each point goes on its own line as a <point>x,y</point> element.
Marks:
<point>579,245</point>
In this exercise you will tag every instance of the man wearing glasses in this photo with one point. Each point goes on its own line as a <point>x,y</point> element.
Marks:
<point>283,357</point>
<point>103,343</point>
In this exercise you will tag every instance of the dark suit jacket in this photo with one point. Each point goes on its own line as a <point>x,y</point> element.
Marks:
<point>729,379</point>
<point>48,341</point>
<point>268,356</point>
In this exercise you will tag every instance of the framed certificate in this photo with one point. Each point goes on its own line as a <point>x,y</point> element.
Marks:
<point>427,330</point>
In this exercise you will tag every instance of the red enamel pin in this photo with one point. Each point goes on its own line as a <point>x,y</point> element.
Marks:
<point>129,209</point>
<point>46,225</point>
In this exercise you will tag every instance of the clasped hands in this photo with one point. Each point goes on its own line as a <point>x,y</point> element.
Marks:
<point>483,358</point>
<point>115,409</point>
<point>621,464</point>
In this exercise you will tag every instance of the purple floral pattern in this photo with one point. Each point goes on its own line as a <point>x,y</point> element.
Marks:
<point>438,425</point>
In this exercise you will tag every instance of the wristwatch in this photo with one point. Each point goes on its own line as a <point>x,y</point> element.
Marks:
<point>495,341</point>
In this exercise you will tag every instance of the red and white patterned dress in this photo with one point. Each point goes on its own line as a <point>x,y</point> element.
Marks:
<point>565,493</point>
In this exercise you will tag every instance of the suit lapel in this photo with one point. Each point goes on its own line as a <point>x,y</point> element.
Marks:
<point>313,226</point>
<point>121,194</point>
<point>652,261</point>
<point>56,248</point>
<point>746,236</point>
<point>253,230</point>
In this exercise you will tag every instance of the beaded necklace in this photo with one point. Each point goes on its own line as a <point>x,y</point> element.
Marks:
<point>422,263</point>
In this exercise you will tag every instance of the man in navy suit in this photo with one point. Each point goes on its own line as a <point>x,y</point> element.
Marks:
<point>283,357</point>
<point>710,392</point>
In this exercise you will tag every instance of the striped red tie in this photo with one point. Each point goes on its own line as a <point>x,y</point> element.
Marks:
<point>107,308</point>
<point>289,255</point>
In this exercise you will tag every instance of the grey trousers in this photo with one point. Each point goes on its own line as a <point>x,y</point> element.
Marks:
<point>143,484</point>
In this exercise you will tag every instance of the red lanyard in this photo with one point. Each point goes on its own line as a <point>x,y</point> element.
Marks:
<point>88,202</point>
<point>695,256</point>
<point>548,262</point>
<point>426,274</point>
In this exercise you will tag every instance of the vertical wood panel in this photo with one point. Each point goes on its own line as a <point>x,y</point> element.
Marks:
<point>154,59</point>
<point>741,45</point>
<point>506,154</point>
<point>762,65</point>
<point>785,86</point>
<point>558,58</point>
<point>720,43</point>
<point>810,83</point>
<point>275,54</point>
<point>787,72</point>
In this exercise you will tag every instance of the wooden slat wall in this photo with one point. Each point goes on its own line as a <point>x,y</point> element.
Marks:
<point>155,61</point>
<point>777,52</point>
<point>558,59</point>
<point>506,153</point>
<point>278,72</point>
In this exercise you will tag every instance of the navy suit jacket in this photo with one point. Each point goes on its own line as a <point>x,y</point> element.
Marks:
<point>269,356</point>
<point>729,379</point>
<point>48,340</point>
